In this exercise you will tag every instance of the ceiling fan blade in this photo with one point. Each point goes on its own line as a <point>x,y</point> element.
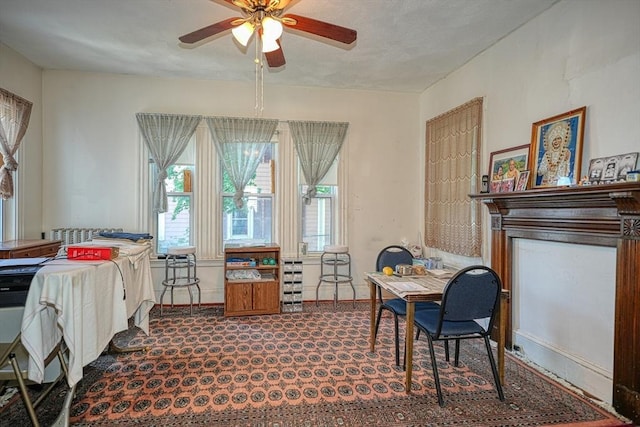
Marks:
<point>322,29</point>
<point>275,58</point>
<point>281,4</point>
<point>208,31</point>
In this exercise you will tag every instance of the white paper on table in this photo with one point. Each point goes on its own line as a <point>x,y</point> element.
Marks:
<point>407,286</point>
<point>444,274</point>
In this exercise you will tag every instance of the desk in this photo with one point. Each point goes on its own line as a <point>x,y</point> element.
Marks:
<point>431,290</point>
<point>83,302</point>
<point>29,248</point>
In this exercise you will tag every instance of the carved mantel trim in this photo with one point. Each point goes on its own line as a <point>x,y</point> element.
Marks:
<point>602,215</point>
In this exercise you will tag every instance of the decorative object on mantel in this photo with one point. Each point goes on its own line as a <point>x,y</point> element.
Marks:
<point>523,180</point>
<point>556,148</point>
<point>606,170</point>
<point>505,167</point>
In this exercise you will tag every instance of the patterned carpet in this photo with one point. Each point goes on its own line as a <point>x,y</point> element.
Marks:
<point>311,368</point>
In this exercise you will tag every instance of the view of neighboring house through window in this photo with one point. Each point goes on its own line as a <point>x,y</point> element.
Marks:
<point>319,218</point>
<point>174,227</point>
<point>253,223</point>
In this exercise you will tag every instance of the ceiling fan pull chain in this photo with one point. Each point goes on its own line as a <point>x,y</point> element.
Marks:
<point>259,106</point>
<point>261,85</point>
<point>256,60</point>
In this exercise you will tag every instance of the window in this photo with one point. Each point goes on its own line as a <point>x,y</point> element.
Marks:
<point>453,222</point>
<point>253,223</point>
<point>319,218</point>
<point>174,227</point>
<point>203,214</point>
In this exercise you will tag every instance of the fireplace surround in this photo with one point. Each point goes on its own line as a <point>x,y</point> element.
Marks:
<point>602,215</point>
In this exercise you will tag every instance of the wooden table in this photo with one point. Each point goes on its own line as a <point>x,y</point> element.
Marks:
<point>29,248</point>
<point>430,289</point>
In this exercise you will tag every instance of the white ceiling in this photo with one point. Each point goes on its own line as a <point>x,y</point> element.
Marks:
<point>403,45</point>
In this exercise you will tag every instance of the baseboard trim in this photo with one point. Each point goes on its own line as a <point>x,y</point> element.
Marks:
<point>593,380</point>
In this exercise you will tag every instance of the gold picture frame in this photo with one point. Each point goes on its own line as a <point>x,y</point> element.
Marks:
<point>507,164</point>
<point>556,148</point>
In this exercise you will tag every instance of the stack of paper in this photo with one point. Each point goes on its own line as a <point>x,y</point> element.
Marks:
<point>441,274</point>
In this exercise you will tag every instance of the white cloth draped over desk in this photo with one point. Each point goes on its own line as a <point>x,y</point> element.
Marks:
<point>83,302</point>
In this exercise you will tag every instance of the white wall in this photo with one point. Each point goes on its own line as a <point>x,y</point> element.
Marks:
<point>560,322</point>
<point>92,152</point>
<point>579,52</point>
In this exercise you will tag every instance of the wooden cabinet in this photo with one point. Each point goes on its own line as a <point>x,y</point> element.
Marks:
<point>244,293</point>
<point>35,248</point>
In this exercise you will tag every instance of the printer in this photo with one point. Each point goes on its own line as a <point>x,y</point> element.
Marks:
<point>15,279</point>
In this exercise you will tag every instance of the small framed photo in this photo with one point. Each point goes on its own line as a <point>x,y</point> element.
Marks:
<point>508,163</point>
<point>611,169</point>
<point>495,186</point>
<point>523,180</point>
<point>556,148</point>
<point>507,185</point>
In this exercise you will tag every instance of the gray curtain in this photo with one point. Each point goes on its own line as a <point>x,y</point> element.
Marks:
<point>15,113</point>
<point>166,135</point>
<point>317,145</point>
<point>241,143</point>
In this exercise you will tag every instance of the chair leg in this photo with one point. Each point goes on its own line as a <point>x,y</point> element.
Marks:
<point>436,377</point>
<point>375,335</point>
<point>161,298</point>
<point>457,355</point>
<point>397,337</point>
<point>494,369</point>
<point>446,350</point>
<point>23,391</point>
<point>318,291</point>
<point>354,294</point>
<point>190,300</point>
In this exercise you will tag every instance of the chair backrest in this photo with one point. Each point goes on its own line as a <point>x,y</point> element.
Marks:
<point>472,294</point>
<point>392,256</point>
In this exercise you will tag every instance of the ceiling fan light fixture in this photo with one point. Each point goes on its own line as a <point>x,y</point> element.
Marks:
<point>243,33</point>
<point>269,45</point>
<point>271,28</point>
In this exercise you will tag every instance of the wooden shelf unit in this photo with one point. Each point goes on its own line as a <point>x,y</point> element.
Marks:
<point>246,297</point>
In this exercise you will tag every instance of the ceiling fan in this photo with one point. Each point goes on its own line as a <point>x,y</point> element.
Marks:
<point>265,17</point>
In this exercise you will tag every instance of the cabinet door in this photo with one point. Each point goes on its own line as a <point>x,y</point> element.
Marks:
<point>266,296</point>
<point>238,297</point>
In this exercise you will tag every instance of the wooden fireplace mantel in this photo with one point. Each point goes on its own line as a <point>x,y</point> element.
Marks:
<point>601,215</point>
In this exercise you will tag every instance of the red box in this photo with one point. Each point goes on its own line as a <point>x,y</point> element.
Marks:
<point>92,253</point>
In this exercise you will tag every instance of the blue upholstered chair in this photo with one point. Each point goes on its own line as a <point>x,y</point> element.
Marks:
<point>390,257</point>
<point>470,302</point>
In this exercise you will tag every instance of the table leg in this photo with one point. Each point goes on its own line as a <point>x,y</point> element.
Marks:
<point>372,327</point>
<point>411,307</point>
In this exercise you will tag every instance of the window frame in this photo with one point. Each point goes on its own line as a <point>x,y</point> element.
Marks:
<point>207,205</point>
<point>272,196</point>
<point>190,194</point>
